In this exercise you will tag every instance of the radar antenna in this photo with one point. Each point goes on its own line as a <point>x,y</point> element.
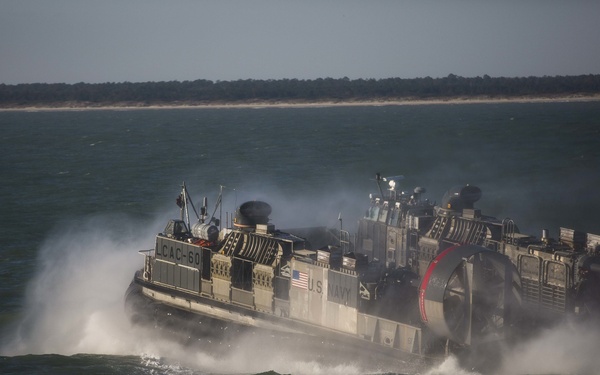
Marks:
<point>390,180</point>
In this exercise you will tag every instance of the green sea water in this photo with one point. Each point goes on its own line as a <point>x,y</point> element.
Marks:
<point>83,191</point>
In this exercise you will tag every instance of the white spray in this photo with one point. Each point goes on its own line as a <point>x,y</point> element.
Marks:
<point>74,304</point>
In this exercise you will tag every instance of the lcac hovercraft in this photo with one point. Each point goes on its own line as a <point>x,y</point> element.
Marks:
<point>415,279</point>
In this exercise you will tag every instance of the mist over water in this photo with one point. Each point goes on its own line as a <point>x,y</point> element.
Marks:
<point>568,348</point>
<point>74,303</point>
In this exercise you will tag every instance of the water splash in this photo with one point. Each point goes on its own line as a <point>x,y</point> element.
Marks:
<point>450,366</point>
<point>74,303</point>
<point>569,348</point>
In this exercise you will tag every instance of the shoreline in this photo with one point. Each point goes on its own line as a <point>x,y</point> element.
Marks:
<point>296,104</point>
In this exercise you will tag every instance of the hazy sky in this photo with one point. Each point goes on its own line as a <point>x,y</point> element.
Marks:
<point>149,40</point>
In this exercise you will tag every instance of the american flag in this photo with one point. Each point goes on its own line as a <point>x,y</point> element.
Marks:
<point>299,279</point>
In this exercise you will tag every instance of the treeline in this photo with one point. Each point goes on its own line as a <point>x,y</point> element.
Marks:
<point>327,89</point>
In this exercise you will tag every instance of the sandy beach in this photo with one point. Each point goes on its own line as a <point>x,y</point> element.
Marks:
<point>79,106</point>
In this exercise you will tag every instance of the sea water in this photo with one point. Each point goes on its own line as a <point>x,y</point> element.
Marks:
<point>83,191</point>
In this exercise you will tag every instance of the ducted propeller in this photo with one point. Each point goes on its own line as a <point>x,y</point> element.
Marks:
<point>469,294</point>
